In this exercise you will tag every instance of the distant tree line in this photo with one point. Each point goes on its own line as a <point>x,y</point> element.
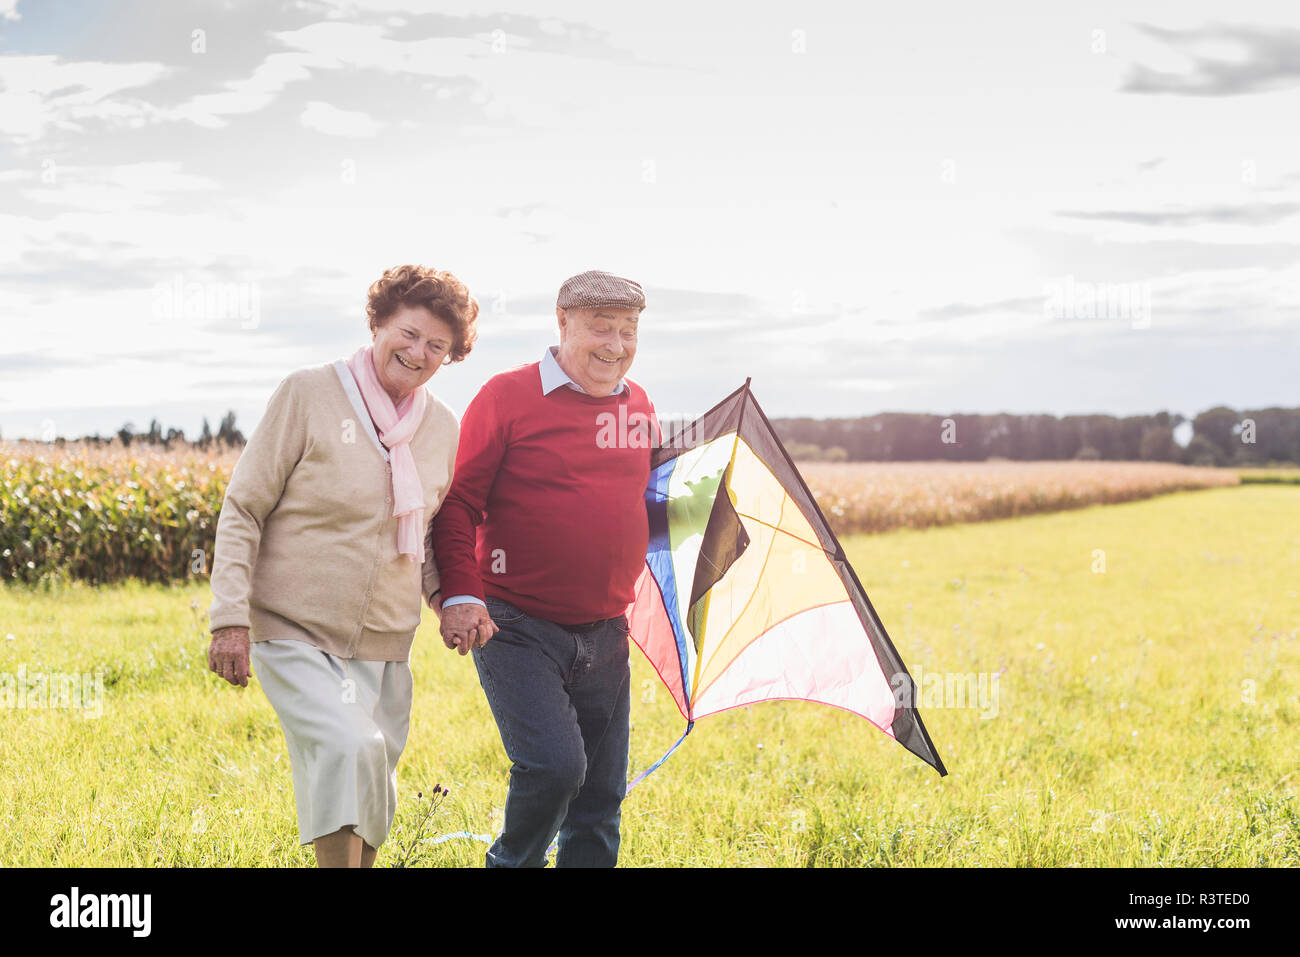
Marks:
<point>1220,436</point>
<point>226,434</point>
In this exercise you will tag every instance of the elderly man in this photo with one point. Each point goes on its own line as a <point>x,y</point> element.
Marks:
<point>540,542</point>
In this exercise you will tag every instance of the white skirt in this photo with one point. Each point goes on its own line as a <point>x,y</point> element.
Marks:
<point>345,722</point>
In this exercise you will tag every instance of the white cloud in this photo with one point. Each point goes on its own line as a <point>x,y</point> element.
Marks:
<point>325,118</point>
<point>253,93</point>
<point>9,10</point>
<point>37,92</point>
<point>116,188</point>
<point>366,46</point>
<point>330,46</point>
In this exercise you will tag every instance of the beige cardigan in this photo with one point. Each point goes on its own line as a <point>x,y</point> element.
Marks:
<point>306,542</point>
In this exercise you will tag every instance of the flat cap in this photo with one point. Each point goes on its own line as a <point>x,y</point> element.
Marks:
<point>596,288</point>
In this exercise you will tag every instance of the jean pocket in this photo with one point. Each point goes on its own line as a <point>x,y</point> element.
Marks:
<point>502,612</point>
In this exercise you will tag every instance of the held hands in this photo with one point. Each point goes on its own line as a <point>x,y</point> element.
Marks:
<point>228,655</point>
<point>466,626</point>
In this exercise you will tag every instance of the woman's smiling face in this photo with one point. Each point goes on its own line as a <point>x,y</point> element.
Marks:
<point>409,348</point>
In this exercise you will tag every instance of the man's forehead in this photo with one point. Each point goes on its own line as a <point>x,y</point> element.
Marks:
<point>613,313</point>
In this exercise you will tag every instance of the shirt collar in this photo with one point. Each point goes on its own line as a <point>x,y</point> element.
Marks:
<point>553,376</point>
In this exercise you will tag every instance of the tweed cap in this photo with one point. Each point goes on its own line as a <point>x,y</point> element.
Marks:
<point>596,288</point>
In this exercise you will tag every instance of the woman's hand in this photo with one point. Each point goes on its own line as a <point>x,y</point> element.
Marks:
<point>228,655</point>
<point>466,626</point>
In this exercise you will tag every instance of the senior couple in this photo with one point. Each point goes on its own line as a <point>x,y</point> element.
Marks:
<point>358,494</point>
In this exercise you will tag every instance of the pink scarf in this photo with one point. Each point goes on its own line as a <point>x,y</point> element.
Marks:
<point>395,426</point>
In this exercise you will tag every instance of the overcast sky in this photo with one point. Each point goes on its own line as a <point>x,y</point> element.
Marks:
<point>933,207</point>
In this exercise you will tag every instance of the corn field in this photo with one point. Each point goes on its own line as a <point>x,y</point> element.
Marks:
<point>104,514</point>
<point>107,513</point>
<point>878,496</point>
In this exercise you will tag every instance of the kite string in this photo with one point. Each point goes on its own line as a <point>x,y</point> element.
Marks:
<point>485,838</point>
<point>650,770</point>
<point>488,839</point>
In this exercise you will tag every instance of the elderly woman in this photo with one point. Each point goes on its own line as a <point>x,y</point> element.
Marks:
<point>321,555</point>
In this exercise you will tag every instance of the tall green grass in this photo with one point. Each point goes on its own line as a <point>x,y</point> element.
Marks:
<point>1147,715</point>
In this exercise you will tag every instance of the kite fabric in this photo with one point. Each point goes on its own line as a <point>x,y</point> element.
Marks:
<point>746,594</point>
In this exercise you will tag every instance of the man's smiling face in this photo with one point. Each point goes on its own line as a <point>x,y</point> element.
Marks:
<point>597,345</point>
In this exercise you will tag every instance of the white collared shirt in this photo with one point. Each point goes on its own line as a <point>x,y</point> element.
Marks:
<point>553,376</point>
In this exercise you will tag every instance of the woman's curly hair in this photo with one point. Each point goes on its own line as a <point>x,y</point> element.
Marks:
<point>436,290</point>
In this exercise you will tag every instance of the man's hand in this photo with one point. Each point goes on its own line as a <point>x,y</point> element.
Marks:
<point>466,626</point>
<point>228,655</point>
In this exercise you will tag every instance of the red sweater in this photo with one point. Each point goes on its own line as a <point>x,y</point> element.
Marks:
<point>555,487</point>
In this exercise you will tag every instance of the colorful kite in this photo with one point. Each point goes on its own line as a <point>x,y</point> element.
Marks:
<point>747,595</point>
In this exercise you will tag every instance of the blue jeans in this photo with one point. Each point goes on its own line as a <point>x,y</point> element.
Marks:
<point>561,701</point>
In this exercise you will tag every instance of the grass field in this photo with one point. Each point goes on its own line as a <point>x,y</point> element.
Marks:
<point>1146,714</point>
